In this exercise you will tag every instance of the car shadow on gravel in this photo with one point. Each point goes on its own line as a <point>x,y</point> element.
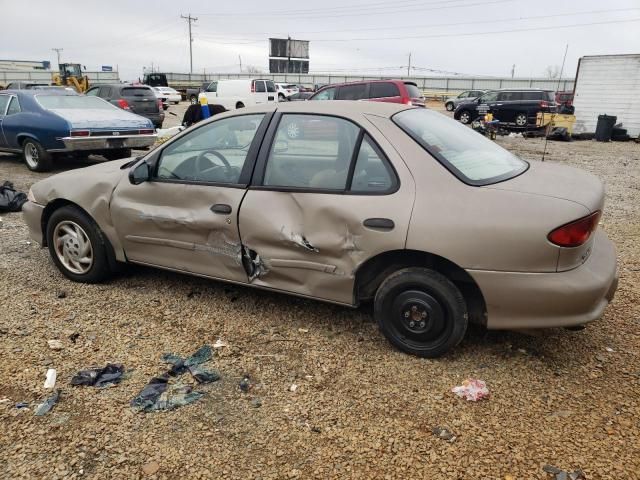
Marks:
<point>60,164</point>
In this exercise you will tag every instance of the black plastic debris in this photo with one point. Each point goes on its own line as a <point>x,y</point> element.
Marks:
<point>46,406</point>
<point>111,374</point>
<point>245,384</point>
<point>10,199</point>
<point>192,365</point>
<point>202,375</point>
<point>22,405</point>
<point>563,475</point>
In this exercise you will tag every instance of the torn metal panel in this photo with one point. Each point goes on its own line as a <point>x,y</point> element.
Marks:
<point>299,240</point>
<point>253,264</point>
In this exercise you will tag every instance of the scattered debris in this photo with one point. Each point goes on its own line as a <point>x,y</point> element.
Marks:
<point>55,344</point>
<point>444,434</point>
<point>10,199</point>
<point>256,402</point>
<point>50,382</point>
<point>472,389</point>
<point>191,364</point>
<point>150,468</point>
<point>99,377</point>
<point>61,294</point>
<point>303,330</point>
<point>245,384</point>
<point>48,404</point>
<point>609,349</point>
<point>293,387</point>
<point>220,344</point>
<point>74,336</point>
<point>22,405</point>
<point>562,475</point>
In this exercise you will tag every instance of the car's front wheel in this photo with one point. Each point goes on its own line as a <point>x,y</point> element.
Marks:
<point>421,312</point>
<point>465,117</point>
<point>36,157</point>
<point>77,245</point>
<point>280,97</point>
<point>449,106</point>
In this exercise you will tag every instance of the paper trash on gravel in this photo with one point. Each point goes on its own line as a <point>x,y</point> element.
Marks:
<point>99,377</point>
<point>50,382</point>
<point>48,404</point>
<point>472,389</point>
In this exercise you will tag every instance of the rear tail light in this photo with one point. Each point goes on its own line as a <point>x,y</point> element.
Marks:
<point>146,131</point>
<point>159,104</point>
<point>253,87</point>
<point>575,233</point>
<point>407,101</point>
<point>544,104</point>
<point>123,104</point>
<point>80,133</point>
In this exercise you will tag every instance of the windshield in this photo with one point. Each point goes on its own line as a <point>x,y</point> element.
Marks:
<point>471,157</point>
<point>56,102</point>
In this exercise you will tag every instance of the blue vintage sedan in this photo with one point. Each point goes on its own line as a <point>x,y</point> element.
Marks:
<point>42,124</point>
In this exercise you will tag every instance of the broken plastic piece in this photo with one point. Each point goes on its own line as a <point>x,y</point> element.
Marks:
<point>245,384</point>
<point>202,375</point>
<point>99,377</point>
<point>472,389</point>
<point>220,344</point>
<point>444,434</point>
<point>50,382</point>
<point>203,354</point>
<point>159,395</point>
<point>10,199</point>
<point>48,404</point>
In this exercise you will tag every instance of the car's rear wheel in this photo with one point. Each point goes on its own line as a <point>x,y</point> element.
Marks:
<point>239,105</point>
<point>77,246</point>
<point>449,106</point>
<point>193,99</point>
<point>421,312</point>
<point>521,120</point>
<point>465,117</point>
<point>36,157</point>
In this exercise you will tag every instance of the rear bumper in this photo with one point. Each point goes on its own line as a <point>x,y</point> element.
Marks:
<point>106,143</point>
<point>543,300</point>
<point>32,214</point>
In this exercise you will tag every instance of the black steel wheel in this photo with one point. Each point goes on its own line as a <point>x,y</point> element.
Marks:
<point>421,312</point>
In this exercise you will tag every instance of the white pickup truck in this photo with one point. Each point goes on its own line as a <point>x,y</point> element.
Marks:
<point>234,94</point>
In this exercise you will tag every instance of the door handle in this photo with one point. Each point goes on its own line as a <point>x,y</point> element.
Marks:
<point>221,208</point>
<point>379,223</point>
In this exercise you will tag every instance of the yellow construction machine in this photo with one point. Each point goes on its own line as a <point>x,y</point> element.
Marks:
<point>70,75</point>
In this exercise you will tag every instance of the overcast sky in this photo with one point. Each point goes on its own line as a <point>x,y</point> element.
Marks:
<point>466,36</point>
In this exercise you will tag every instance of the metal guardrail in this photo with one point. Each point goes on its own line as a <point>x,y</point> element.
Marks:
<point>45,76</point>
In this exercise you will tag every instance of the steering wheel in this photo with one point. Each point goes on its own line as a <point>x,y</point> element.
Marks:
<point>201,168</point>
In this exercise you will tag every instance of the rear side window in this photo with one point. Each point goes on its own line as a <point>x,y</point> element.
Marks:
<point>352,92</point>
<point>413,91</point>
<point>372,173</point>
<point>105,92</point>
<point>511,96</point>
<point>383,90</point>
<point>534,96</point>
<point>132,92</point>
<point>4,101</point>
<point>271,87</point>
<point>259,84</point>
<point>471,157</point>
<point>14,106</point>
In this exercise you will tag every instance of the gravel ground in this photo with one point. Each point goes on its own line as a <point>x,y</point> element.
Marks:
<point>361,409</point>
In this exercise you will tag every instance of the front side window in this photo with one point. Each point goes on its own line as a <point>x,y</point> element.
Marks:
<point>489,97</point>
<point>326,94</point>
<point>352,92</point>
<point>259,84</point>
<point>471,157</point>
<point>213,86</point>
<point>213,153</point>
<point>312,152</point>
<point>14,106</point>
<point>271,87</point>
<point>372,173</point>
<point>463,95</point>
<point>384,90</point>
<point>93,92</point>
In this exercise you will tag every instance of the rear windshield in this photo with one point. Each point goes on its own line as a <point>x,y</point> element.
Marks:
<point>137,92</point>
<point>56,102</point>
<point>413,91</point>
<point>468,155</point>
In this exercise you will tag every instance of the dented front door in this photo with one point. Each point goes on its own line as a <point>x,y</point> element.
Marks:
<point>307,227</point>
<point>185,217</point>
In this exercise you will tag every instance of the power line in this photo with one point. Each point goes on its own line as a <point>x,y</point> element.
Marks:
<point>190,20</point>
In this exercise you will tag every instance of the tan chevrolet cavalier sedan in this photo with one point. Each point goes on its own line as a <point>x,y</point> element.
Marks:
<point>347,202</point>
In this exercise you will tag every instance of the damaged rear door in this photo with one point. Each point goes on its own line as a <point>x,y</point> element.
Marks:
<point>185,217</point>
<point>325,198</point>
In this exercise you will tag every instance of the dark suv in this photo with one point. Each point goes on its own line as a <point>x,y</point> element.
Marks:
<point>138,99</point>
<point>392,91</point>
<point>513,108</point>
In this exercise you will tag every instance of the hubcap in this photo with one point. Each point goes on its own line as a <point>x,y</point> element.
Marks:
<point>31,155</point>
<point>419,317</point>
<point>464,118</point>
<point>73,247</point>
<point>521,120</point>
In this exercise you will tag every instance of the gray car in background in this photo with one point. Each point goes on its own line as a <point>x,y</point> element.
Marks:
<point>451,103</point>
<point>138,99</point>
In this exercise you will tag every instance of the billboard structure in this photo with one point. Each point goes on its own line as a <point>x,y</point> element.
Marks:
<point>288,56</point>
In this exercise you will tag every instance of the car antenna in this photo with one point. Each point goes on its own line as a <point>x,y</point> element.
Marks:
<point>546,136</point>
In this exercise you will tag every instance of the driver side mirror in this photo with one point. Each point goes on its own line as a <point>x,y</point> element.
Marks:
<point>140,173</point>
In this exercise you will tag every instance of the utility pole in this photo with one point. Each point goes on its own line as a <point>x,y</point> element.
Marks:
<point>409,66</point>
<point>58,50</point>
<point>190,20</point>
<point>513,70</point>
<point>240,58</point>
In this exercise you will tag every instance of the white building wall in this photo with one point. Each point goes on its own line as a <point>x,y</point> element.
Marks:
<point>608,84</point>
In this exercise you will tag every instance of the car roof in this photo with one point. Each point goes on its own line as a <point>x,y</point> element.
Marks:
<point>32,93</point>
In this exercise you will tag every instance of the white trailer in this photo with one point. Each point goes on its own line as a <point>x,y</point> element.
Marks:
<point>607,84</point>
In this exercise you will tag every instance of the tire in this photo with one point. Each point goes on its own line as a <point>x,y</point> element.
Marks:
<point>239,105</point>
<point>71,226</point>
<point>36,157</point>
<point>521,120</point>
<point>117,154</point>
<point>193,100</point>
<point>449,106</point>
<point>421,312</point>
<point>165,106</point>
<point>465,117</point>
<point>280,97</point>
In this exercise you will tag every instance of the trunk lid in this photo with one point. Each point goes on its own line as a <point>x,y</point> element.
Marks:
<point>102,119</point>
